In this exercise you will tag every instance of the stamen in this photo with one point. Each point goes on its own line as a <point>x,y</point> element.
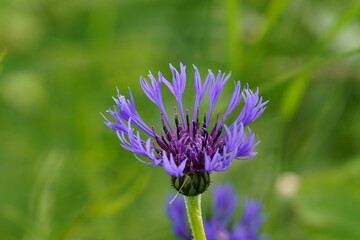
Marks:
<point>205,140</point>
<point>197,114</point>
<point>159,141</point>
<point>169,136</point>
<point>177,124</point>
<point>157,150</point>
<point>204,125</point>
<point>176,118</point>
<point>163,123</point>
<point>218,134</point>
<point>187,119</point>
<point>216,125</point>
<point>204,121</point>
<point>166,131</point>
<point>153,130</point>
<point>178,132</point>
<point>167,145</point>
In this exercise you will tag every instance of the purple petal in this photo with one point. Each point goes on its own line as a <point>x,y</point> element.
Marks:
<point>253,108</point>
<point>252,220</point>
<point>215,231</point>
<point>153,92</point>
<point>211,162</point>
<point>127,110</point>
<point>138,146</point>
<point>214,90</point>
<point>246,147</point>
<point>224,204</point>
<point>171,167</point>
<point>219,162</point>
<point>235,100</point>
<point>178,86</point>
<point>199,90</point>
<point>234,137</point>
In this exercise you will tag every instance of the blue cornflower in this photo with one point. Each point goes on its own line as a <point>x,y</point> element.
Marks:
<point>219,226</point>
<point>189,149</point>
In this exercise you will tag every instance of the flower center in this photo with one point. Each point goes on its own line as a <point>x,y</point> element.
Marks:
<point>191,141</point>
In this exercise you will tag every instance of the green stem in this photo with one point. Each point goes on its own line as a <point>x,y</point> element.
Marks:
<point>193,208</point>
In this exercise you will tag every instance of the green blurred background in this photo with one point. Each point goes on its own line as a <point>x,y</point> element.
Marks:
<point>63,174</point>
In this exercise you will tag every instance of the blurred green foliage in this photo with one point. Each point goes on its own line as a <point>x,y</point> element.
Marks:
<point>63,174</point>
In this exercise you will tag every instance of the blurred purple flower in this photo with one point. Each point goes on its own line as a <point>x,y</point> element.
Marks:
<point>189,145</point>
<point>218,226</point>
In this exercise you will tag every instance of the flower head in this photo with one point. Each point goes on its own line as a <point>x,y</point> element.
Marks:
<point>189,146</point>
<point>219,226</point>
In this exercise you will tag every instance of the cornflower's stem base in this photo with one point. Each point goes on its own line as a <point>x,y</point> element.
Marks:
<point>193,209</point>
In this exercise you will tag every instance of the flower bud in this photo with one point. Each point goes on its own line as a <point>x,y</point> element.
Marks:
<point>191,184</point>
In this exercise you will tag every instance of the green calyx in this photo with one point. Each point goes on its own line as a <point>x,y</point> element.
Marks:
<point>191,184</point>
